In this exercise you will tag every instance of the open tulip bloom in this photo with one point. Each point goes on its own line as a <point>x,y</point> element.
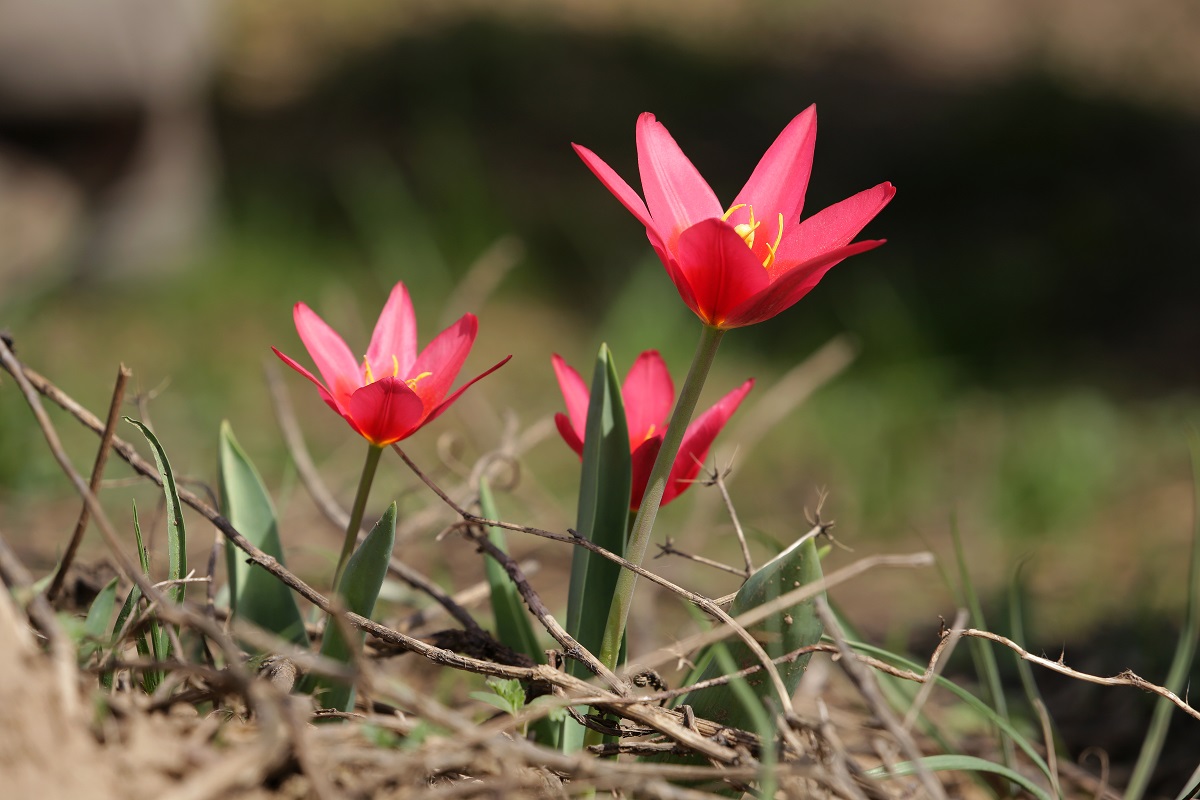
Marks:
<point>394,390</point>
<point>648,394</point>
<point>743,264</point>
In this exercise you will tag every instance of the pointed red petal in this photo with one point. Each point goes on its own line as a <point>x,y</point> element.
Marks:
<point>442,359</point>
<point>780,180</point>
<point>568,433</point>
<point>395,335</point>
<point>335,362</point>
<point>642,461</point>
<point>832,227</point>
<point>721,272</point>
<point>575,395</point>
<point>648,394</point>
<point>677,196</point>
<point>386,411</point>
<point>792,286</point>
<point>449,401</point>
<point>620,189</point>
<point>699,438</point>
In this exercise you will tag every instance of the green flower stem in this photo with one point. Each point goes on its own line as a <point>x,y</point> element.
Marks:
<point>356,513</point>
<point>643,524</point>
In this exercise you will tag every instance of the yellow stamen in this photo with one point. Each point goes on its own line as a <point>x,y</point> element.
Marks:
<point>367,371</point>
<point>649,432</point>
<point>395,367</point>
<point>412,382</point>
<point>747,229</point>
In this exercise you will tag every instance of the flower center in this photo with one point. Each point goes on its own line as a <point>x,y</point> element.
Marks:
<point>370,376</point>
<point>747,229</point>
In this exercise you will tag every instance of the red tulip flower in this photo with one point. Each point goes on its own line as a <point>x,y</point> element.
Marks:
<point>743,264</point>
<point>648,395</point>
<point>394,391</point>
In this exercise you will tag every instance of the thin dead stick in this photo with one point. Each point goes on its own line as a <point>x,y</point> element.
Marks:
<point>936,665</point>
<point>666,655</point>
<point>1125,678</point>
<point>469,596</point>
<point>662,720</point>
<point>700,601</point>
<point>668,549</point>
<point>571,648</point>
<point>717,478</point>
<point>864,681</point>
<point>1048,737</point>
<point>110,426</point>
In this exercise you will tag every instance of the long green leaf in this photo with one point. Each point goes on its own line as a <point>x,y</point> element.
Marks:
<point>358,589</point>
<point>790,629</point>
<point>254,594</point>
<point>953,763</point>
<point>603,517</point>
<point>176,534</point>
<point>1185,651</point>
<point>512,622</point>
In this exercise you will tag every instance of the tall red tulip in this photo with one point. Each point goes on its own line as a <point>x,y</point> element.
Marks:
<point>395,390</point>
<point>648,394</point>
<point>742,264</point>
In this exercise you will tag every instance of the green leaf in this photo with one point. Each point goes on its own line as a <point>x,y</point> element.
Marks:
<point>157,642</point>
<point>176,535</point>
<point>790,629</point>
<point>512,622</point>
<point>955,763</point>
<point>497,701</point>
<point>603,517</point>
<point>254,594</point>
<point>358,589</point>
<point>95,625</point>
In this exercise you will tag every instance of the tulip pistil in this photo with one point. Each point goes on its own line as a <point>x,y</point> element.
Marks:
<point>370,375</point>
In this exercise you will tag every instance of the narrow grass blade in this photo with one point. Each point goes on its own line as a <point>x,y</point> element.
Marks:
<point>1016,619</point>
<point>982,709</point>
<point>513,627</point>
<point>984,657</point>
<point>952,763</point>
<point>176,535</point>
<point>603,517</point>
<point>157,643</point>
<point>1185,650</point>
<point>254,594</point>
<point>358,589</point>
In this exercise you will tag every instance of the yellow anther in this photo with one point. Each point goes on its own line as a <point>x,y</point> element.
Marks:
<point>649,432</point>
<point>367,371</point>
<point>395,367</point>
<point>412,382</point>
<point>746,231</point>
<point>771,248</point>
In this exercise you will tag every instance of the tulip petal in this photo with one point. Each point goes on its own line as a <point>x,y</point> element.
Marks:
<point>648,393</point>
<point>621,190</point>
<point>386,411</point>
<point>337,365</point>
<point>449,401</point>
<point>442,359</point>
<point>832,227</point>
<point>573,440</point>
<point>792,286</point>
<point>325,395</point>
<point>720,270</point>
<point>699,438</point>
<point>780,180</point>
<point>395,335</point>
<point>642,461</point>
<point>575,395</point>
<point>676,194</point>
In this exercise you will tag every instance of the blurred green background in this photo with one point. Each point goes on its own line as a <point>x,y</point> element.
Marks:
<point>1026,340</point>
